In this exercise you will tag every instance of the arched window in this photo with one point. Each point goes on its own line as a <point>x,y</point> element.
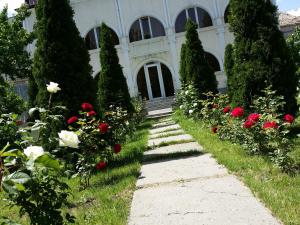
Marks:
<point>92,39</point>
<point>213,62</point>
<point>197,15</point>
<point>226,14</point>
<point>146,28</point>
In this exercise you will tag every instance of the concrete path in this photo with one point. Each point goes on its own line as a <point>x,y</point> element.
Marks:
<point>181,185</point>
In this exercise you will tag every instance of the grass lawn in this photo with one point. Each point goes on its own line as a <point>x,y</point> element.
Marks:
<point>279,192</point>
<point>107,201</point>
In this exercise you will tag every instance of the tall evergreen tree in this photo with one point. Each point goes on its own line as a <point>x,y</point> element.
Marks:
<point>197,68</point>
<point>261,56</point>
<point>112,86</point>
<point>228,65</point>
<point>61,56</point>
<point>182,70</point>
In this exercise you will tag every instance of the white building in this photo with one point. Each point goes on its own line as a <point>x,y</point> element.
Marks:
<point>148,37</point>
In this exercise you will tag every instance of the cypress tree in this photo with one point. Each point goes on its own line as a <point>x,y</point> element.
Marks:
<point>61,56</point>
<point>182,70</point>
<point>197,68</point>
<point>112,86</point>
<point>261,55</point>
<point>228,65</point>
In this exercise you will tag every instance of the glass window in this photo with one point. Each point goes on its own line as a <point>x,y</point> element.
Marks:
<point>146,28</point>
<point>92,39</point>
<point>157,28</point>
<point>202,18</point>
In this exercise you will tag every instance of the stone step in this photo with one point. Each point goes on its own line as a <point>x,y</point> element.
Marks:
<point>163,124</point>
<point>175,132</point>
<point>162,129</point>
<point>158,141</point>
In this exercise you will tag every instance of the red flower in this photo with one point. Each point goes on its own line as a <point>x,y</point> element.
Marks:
<point>87,107</point>
<point>227,109</point>
<point>254,117</point>
<point>237,112</point>
<point>19,122</point>
<point>249,123</point>
<point>270,125</point>
<point>214,130</point>
<point>289,118</point>
<point>215,106</point>
<point>101,165</point>
<point>117,148</point>
<point>73,119</point>
<point>91,113</point>
<point>103,127</point>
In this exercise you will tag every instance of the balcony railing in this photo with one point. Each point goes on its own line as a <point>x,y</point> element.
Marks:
<point>31,3</point>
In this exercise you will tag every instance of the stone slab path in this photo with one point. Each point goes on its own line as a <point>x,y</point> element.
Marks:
<point>191,188</point>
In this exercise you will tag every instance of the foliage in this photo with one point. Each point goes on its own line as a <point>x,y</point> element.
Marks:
<point>261,56</point>
<point>293,42</point>
<point>14,59</point>
<point>8,129</point>
<point>112,85</point>
<point>139,111</point>
<point>61,57</point>
<point>198,72</point>
<point>32,184</point>
<point>9,100</point>
<point>228,65</point>
<point>183,65</point>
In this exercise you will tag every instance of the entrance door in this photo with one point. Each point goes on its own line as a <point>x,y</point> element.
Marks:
<point>154,80</point>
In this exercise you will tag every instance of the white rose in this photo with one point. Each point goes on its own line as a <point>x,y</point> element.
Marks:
<point>68,139</point>
<point>53,87</point>
<point>191,111</point>
<point>33,152</point>
<point>181,107</point>
<point>187,92</point>
<point>31,111</point>
<point>195,104</point>
<point>127,123</point>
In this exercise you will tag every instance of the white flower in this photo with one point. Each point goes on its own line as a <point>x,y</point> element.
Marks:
<point>31,111</point>
<point>195,104</point>
<point>127,123</point>
<point>53,87</point>
<point>181,107</point>
<point>187,92</point>
<point>68,139</point>
<point>33,152</point>
<point>191,111</point>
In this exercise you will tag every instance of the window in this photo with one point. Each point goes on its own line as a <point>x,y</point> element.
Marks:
<point>92,39</point>
<point>146,28</point>
<point>31,3</point>
<point>197,15</point>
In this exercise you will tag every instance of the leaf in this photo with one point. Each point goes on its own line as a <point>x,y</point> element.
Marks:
<point>18,177</point>
<point>48,161</point>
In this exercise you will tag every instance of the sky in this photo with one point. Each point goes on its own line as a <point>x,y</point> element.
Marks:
<point>290,6</point>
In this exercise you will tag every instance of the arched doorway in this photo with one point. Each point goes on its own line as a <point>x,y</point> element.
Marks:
<point>154,80</point>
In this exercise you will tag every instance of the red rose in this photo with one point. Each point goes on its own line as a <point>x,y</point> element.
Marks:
<point>117,148</point>
<point>87,107</point>
<point>237,112</point>
<point>215,106</point>
<point>226,109</point>
<point>19,122</point>
<point>103,127</point>
<point>101,165</point>
<point>270,125</point>
<point>248,124</point>
<point>91,113</point>
<point>214,130</point>
<point>73,119</point>
<point>254,117</point>
<point>289,118</point>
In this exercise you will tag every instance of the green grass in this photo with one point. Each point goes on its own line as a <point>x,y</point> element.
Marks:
<point>279,191</point>
<point>107,201</point>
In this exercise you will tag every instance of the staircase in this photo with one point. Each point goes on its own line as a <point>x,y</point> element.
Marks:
<point>160,107</point>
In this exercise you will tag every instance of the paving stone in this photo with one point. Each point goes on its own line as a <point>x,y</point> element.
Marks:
<point>162,129</point>
<point>179,169</point>
<point>166,133</point>
<point>160,112</point>
<point>181,137</point>
<point>186,147</point>
<point>163,124</point>
<point>212,201</point>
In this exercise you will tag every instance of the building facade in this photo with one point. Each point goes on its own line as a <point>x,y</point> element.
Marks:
<point>148,37</point>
